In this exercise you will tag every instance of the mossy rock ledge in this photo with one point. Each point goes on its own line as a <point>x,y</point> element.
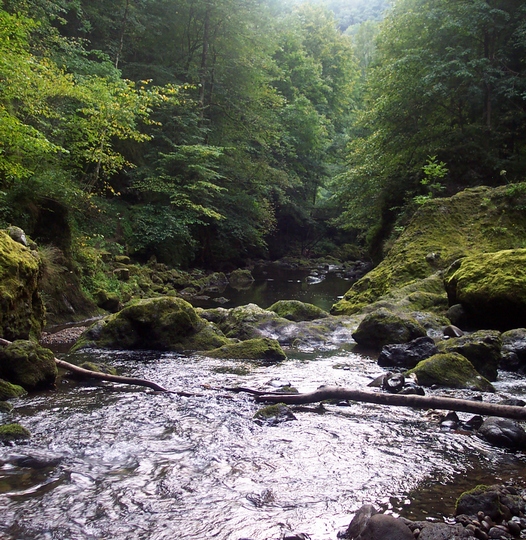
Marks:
<point>263,349</point>
<point>383,327</point>
<point>451,370</point>
<point>29,365</point>
<point>21,307</point>
<point>165,323</point>
<point>476,220</point>
<point>491,287</point>
<point>294,310</point>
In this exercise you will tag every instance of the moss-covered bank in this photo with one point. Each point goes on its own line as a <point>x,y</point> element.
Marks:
<point>21,307</point>
<point>473,221</point>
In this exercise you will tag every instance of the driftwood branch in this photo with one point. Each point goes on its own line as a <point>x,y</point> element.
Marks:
<point>418,402</point>
<point>87,373</point>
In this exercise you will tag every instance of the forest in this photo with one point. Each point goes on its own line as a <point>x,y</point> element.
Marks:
<point>207,133</point>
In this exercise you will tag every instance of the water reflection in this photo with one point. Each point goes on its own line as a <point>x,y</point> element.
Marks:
<point>129,464</point>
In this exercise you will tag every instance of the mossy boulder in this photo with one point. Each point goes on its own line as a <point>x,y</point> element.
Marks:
<point>473,221</point>
<point>21,307</point>
<point>10,391</point>
<point>481,348</point>
<point>272,415</point>
<point>294,310</point>
<point>383,327</point>
<point>265,349</point>
<point>249,321</point>
<point>13,432</point>
<point>165,323</point>
<point>29,365</point>
<point>451,370</point>
<point>5,407</point>
<point>513,357</point>
<point>491,287</point>
<point>240,278</point>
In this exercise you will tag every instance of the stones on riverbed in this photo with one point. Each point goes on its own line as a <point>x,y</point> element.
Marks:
<point>503,432</point>
<point>407,355</point>
<point>272,415</point>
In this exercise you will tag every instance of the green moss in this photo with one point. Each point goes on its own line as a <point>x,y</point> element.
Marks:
<point>9,390</point>
<point>294,310</point>
<point>21,307</point>
<point>13,432</point>
<point>491,287</point>
<point>252,349</point>
<point>440,232</point>
<point>451,370</point>
<point>383,327</point>
<point>240,278</point>
<point>28,364</point>
<point>5,407</point>
<point>481,348</point>
<point>270,411</point>
<point>233,370</point>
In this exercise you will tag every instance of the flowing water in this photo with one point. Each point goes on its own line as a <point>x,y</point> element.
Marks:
<point>113,462</point>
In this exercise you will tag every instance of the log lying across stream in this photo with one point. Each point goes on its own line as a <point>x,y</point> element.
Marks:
<point>418,402</point>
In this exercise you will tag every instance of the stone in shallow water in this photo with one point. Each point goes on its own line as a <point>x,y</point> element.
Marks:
<point>503,432</point>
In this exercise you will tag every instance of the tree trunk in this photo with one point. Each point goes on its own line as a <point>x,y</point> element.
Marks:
<point>418,402</point>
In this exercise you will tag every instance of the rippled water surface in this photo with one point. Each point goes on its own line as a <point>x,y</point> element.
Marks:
<point>130,464</point>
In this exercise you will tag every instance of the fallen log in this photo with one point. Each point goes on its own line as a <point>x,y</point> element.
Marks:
<point>418,402</point>
<point>87,373</point>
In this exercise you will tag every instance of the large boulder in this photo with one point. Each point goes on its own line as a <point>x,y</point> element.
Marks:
<point>473,221</point>
<point>481,348</point>
<point>241,278</point>
<point>29,365</point>
<point>384,327</point>
<point>265,349</point>
<point>383,526</point>
<point>407,355</point>
<point>491,287</point>
<point>294,310</point>
<point>451,370</point>
<point>21,307</point>
<point>164,323</point>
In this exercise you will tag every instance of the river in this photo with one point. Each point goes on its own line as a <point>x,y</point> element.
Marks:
<point>108,461</point>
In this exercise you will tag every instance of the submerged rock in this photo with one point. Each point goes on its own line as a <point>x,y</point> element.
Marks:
<point>294,310</point>
<point>251,349</point>
<point>384,327</point>
<point>451,370</point>
<point>29,365</point>
<point>491,287</point>
<point>481,348</point>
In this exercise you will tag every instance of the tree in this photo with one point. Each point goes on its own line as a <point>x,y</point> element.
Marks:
<point>448,81</point>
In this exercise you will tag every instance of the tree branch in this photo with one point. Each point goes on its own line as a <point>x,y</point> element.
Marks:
<point>418,402</point>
